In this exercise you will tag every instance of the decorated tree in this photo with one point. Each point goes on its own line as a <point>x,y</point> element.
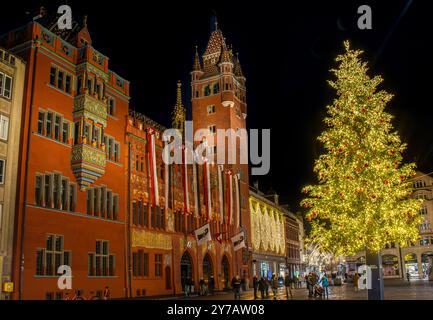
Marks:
<point>362,200</point>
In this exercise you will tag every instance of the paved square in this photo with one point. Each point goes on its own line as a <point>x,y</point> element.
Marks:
<point>395,289</point>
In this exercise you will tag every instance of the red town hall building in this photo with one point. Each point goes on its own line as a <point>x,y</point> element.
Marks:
<point>93,191</point>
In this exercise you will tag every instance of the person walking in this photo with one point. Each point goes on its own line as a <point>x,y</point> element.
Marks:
<point>261,286</point>
<point>325,286</point>
<point>274,285</point>
<point>408,277</point>
<point>308,279</point>
<point>107,293</point>
<point>212,285</point>
<point>243,284</point>
<point>355,281</point>
<point>247,284</point>
<point>236,285</point>
<point>79,295</point>
<point>255,286</point>
<point>202,286</point>
<point>267,287</point>
<point>186,287</point>
<point>288,285</point>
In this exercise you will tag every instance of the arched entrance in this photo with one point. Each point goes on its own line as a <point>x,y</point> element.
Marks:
<point>426,262</point>
<point>186,269</point>
<point>411,265</point>
<point>207,267</point>
<point>390,265</point>
<point>225,268</point>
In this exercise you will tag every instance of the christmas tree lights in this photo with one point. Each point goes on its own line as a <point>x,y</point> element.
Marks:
<point>362,200</point>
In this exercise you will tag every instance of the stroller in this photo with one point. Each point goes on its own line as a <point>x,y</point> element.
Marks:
<point>318,291</point>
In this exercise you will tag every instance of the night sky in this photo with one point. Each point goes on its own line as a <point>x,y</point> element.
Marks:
<point>286,50</point>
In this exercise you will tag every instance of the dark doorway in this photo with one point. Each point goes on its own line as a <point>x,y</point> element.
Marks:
<point>225,272</point>
<point>185,269</point>
<point>207,267</point>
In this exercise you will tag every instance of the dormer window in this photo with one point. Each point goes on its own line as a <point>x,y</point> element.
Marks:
<point>83,42</point>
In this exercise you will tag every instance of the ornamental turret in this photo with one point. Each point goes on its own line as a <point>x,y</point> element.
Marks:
<point>179,112</point>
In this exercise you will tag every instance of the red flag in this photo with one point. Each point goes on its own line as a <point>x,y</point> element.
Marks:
<point>152,164</point>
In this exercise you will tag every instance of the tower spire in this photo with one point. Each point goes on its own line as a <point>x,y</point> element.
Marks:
<point>196,66</point>
<point>214,19</point>
<point>178,115</point>
<point>238,69</point>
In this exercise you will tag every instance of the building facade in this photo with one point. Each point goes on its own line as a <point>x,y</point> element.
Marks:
<point>12,73</point>
<point>294,235</point>
<point>268,236</point>
<point>72,164</point>
<point>169,202</point>
<point>416,258</point>
<point>93,193</point>
<point>218,91</point>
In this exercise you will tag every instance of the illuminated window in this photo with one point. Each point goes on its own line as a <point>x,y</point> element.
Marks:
<point>111,106</point>
<point>50,258</point>
<point>65,132</point>
<point>5,85</point>
<point>57,124</point>
<point>4,127</point>
<point>212,129</point>
<point>101,263</point>
<point>38,190</point>
<point>41,119</point>
<point>68,81</point>
<point>53,72</point>
<point>60,79</point>
<point>158,265</point>
<point>423,210</point>
<point>49,124</point>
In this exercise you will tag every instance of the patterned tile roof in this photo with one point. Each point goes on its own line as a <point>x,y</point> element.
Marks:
<point>217,51</point>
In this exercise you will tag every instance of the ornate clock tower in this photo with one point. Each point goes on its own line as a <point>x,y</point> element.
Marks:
<point>219,102</point>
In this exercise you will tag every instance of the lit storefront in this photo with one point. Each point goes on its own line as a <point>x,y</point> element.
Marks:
<point>268,240</point>
<point>390,265</point>
<point>267,265</point>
